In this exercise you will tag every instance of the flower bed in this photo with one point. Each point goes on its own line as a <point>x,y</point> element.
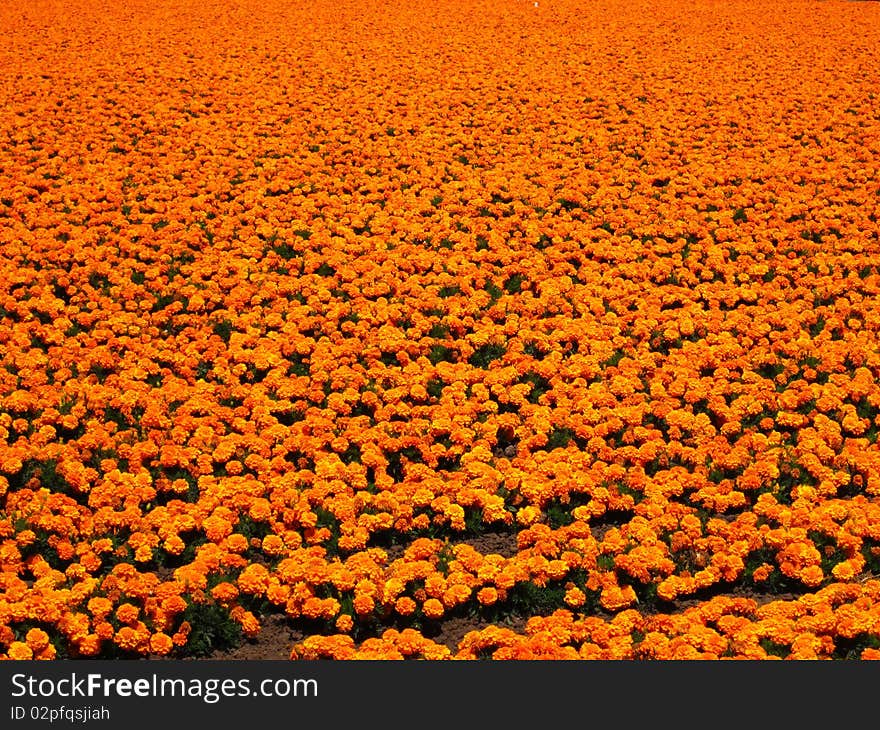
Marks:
<point>555,324</point>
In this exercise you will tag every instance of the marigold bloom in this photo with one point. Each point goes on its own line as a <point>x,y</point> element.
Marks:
<point>37,639</point>
<point>161,644</point>
<point>19,650</point>
<point>224,592</point>
<point>487,595</point>
<point>432,608</point>
<point>405,606</point>
<point>127,613</point>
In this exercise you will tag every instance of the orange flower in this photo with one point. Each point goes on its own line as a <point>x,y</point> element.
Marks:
<point>161,644</point>
<point>224,592</point>
<point>405,606</point>
<point>432,608</point>
<point>127,613</point>
<point>37,640</point>
<point>575,597</point>
<point>487,596</point>
<point>19,650</point>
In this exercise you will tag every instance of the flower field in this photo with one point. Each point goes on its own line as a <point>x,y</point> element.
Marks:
<point>449,330</point>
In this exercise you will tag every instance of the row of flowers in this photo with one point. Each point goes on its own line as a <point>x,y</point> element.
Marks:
<point>837,622</point>
<point>645,564</point>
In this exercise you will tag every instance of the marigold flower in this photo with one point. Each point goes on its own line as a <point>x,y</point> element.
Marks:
<point>127,639</point>
<point>254,579</point>
<point>47,653</point>
<point>19,650</point>
<point>364,604</point>
<point>90,645</point>
<point>37,639</point>
<point>173,545</point>
<point>216,528</point>
<point>161,644</point>
<point>432,608</point>
<point>614,598</point>
<point>127,613</point>
<point>405,606</point>
<point>487,595</point>
<point>224,592</point>
<point>575,597</point>
<point>99,606</point>
<point>181,636</point>
<point>812,575</point>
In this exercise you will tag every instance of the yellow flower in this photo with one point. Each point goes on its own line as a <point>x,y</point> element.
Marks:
<point>19,650</point>
<point>575,597</point>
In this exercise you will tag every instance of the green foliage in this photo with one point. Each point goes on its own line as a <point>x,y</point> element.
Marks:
<point>441,353</point>
<point>286,251</point>
<point>299,365</point>
<point>540,385</point>
<point>485,354</point>
<point>212,629</point>
<point>559,438</point>
<point>435,387</point>
<point>615,359</point>
<point>513,285</point>
<point>448,291</point>
<point>775,649</point>
<point>849,649</point>
<point>493,290</point>
<point>352,455</point>
<point>223,329</point>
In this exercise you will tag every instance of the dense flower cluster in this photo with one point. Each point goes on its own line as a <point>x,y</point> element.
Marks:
<point>825,625</point>
<point>561,319</point>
